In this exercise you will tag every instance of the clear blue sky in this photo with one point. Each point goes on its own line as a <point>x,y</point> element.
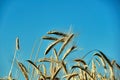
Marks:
<point>96,21</point>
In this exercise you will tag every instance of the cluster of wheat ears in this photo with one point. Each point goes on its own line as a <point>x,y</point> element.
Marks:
<point>55,67</point>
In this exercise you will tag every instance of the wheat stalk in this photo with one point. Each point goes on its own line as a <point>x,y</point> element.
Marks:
<point>17,48</point>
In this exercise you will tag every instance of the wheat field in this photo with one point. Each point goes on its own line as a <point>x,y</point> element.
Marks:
<point>56,67</point>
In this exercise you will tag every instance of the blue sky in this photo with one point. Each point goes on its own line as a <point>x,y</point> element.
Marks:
<point>95,22</point>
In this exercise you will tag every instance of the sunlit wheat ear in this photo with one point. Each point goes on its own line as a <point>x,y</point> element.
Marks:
<point>68,39</point>
<point>83,69</point>
<point>101,60</point>
<point>24,70</point>
<point>52,45</point>
<point>49,38</point>
<point>112,76</point>
<point>36,68</point>
<point>104,56</point>
<point>57,33</point>
<point>83,62</point>
<point>48,60</point>
<point>17,48</point>
<point>17,44</point>
<point>68,52</point>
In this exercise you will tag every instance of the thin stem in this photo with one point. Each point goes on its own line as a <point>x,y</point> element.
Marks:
<point>38,50</point>
<point>34,45</point>
<point>36,57</point>
<point>12,62</point>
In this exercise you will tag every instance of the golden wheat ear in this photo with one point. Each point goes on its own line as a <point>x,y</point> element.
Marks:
<point>83,62</point>
<point>52,45</point>
<point>17,48</point>
<point>23,69</point>
<point>83,69</point>
<point>49,38</point>
<point>17,44</point>
<point>58,33</point>
<point>112,75</point>
<point>68,52</point>
<point>68,39</point>
<point>36,68</point>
